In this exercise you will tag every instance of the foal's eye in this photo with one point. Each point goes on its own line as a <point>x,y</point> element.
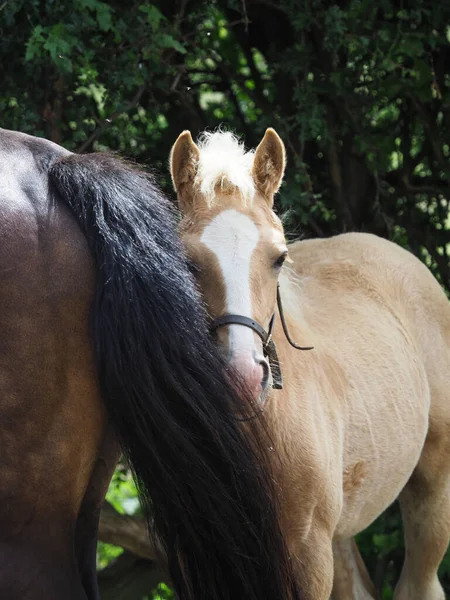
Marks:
<point>280,260</point>
<point>193,268</point>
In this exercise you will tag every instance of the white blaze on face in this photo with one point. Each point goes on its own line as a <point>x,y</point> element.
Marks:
<point>233,237</point>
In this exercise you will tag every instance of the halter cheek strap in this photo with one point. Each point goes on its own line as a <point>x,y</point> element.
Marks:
<point>269,348</point>
<point>283,323</point>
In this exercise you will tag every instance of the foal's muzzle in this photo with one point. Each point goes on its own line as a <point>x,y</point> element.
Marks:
<point>269,348</point>
<point>270,365</point>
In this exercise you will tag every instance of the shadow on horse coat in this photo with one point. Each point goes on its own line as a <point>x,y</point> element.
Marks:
<point>103,340</point>
<point>364,417</point>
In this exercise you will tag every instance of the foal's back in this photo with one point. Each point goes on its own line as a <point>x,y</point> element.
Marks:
<point>51,418</point>
<point>357,275</point>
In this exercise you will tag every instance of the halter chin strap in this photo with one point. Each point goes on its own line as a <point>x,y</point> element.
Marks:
<point>269,348</point>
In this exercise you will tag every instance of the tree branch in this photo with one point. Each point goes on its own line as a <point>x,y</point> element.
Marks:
<point>337,181</point>
<point>433,134</point>
<point>127,532</point>
<point>416,185</point>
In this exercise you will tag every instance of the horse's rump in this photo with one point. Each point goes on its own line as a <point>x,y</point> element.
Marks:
<point>48,389</point>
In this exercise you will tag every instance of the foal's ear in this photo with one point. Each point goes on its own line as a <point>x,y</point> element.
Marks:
<point>268,164</point>
<point>183,164</point>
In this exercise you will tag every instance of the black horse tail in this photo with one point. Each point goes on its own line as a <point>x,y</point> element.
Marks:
<point>204,482</point>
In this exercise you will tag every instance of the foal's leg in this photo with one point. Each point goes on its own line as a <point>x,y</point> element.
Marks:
<point>351,579</point>
<point>313,565</point>
<point>425,504</point>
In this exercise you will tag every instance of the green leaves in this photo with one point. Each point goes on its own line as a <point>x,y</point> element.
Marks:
<point>35,43</point>
<point>154,15</point>
<point>163,592</point>
<point>159,38</point>
<point>165,40</point>
<point>56,41</point>
<point>102,10</point>
<point>385,543</point>
<point>106,553</point>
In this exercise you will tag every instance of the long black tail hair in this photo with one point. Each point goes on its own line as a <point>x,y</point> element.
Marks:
<point>204,482</point>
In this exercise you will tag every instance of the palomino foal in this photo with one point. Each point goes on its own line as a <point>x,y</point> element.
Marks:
<point>361,419</point>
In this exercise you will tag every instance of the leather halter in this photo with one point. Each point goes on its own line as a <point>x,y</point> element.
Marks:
<point>269,348</point>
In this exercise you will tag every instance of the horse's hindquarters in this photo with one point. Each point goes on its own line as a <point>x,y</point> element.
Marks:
<point>32,570</point>
<point>52,418</point>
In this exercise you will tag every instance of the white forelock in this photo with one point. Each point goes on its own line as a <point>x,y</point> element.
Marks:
<point>224,165</point>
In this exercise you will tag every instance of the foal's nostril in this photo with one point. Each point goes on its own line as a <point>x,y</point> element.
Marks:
<point>266,374</point>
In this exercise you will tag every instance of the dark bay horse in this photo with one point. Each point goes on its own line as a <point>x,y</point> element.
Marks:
<point>104,344</point>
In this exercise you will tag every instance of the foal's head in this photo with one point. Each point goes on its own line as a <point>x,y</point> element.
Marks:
<point>233,238</point>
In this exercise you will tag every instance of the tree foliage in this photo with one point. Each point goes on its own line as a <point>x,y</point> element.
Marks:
<point>359,91</point>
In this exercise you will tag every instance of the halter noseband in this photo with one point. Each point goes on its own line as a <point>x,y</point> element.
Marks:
<point>269,348</point>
